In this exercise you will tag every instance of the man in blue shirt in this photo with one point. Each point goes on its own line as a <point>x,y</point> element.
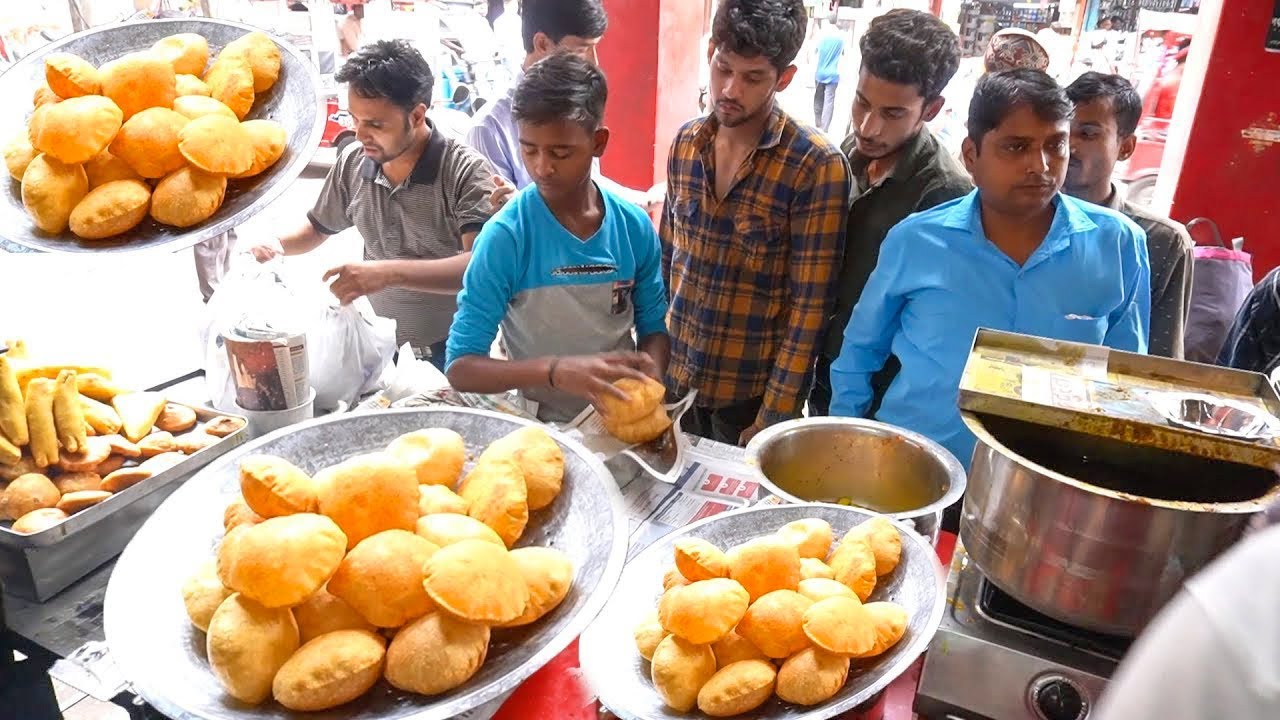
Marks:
<point>566,269</point>
<point>1013,255</point>
<point>826,77</point>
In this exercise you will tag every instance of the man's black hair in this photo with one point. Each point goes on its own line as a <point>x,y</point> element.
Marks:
<point>1126,104</point>
<point>391,69</point>
<point>558,19</point>
<point>999,94</point>
<point>772,29</point>
<point>909,47</point>
<point>561,87</point>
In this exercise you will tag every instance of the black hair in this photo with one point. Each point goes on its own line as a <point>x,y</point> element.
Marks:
<point>1116,20</point>
<point>999,94</point>
<point>561,87</point>
<point>773,29</point>
<point>391,69</point>
<point>909,47</point>
<point>1126,104</point>
<point>558,19</point>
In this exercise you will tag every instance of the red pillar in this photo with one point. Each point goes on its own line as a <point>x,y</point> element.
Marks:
<point>1222,159</point>
<point>651,55</point>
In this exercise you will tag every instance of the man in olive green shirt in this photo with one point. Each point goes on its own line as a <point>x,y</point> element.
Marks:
<point>908,57</point>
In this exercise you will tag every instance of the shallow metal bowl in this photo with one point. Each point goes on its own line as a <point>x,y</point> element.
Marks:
<point>293,101</point>
<point>163,656</point>
<point>620,676</point>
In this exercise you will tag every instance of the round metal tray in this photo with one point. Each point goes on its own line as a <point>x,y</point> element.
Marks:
<point>162,655</point>
<point>293,101</point>
<point>620,676</point>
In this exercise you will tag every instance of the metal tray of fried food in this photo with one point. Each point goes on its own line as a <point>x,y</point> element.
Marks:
<point>293,101</point>
<point>40,565</point>
<point>163,656</point>
<point>617,672</point>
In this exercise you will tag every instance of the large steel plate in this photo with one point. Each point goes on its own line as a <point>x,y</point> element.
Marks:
<point>163,656</point>
<point>620,676</point>
<point>293,101</point>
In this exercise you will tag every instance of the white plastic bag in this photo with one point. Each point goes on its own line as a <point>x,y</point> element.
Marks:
<point>349,348</point>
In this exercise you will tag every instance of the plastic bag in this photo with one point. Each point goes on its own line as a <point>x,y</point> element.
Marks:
<point>349,347</point>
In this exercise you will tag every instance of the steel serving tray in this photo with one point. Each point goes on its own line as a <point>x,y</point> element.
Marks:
<point>40,565</point>
<point>293,101</point>
<point>620,676</point>
<point>163,656</point>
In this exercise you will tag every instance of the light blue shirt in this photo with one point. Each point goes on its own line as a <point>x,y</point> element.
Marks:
<point>939,279</point>
<point>830,49</point>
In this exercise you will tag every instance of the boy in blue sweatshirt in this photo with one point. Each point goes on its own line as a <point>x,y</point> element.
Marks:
<point>570,272</point>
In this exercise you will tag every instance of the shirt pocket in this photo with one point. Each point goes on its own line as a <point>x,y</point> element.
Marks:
<point>1080,328</point>
<point>686,223</point>
<point>759,247</point>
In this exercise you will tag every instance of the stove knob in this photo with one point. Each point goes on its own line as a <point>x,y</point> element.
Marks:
<point>1057,698</point>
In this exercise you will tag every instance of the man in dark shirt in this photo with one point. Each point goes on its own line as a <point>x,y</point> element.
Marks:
<point>908,57</point>
<point>1254,340</point>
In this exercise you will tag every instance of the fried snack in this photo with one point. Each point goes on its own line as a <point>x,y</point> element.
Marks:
<point>774,623</point>
<point>10,454</point>
<point>68,417</point>
<point>810,536</point>
<point>13,471</point>
<point>216,145</point>
<point>223,426</point>
<point>673,578</point>
<point>75,130</point>
<point>51,189</point>
<point>247,644</point>
<point>157,443</point>
<point>704,611</point>
<point>642,397</point>
<point>811,676</point>
<point>18,154</point>
<point>648,634</point>
<point>36,121</point>
<point>97,386</point>
<point>159,463</point>
<point>108,466</point>
<point>548,573</point>
<point>196,106</point>
<point>885,542</point>
<point>125,478</point>
<point>190,85</point>
<point>72,503</point>
<point>540,459</point>
<point>814,568</point>
<point>498,497</point>
<point>323,613</point>
<point>26,493</point>
<point>237,514</point>
<point>176,418</point>
<point>102,418</point>
<point>13,414</point>
<point>111,209</point>
<point>737,688</point>
<point>450,528</point>
<point>274,487</point>
<point>104,168</point>
<point>269,141</point>
<point>697,559</point>
<point>822,588</point>
<point>434,499</point>
<point>148,142</point>
<point>262,55</point>
<point>650,427</point>
<point>95,451</point>
<point>764,565</point>
<point>891,624</point>
<point>139,81</point>
<point>330,670</point>
<point>138,412</point>
<point>230,81</point>
<point>381,578</point>
<point>436,455</point>
<point>71,76</point>
<point>734,648</point>
<point>367,494</point>
<point>77,482</point>
<point>478,582</point>
<point>187,197</point>
<point>40,425</point>
<point>202,593</point>
<point>38,520</point>
<point>854,565</point>
<point>435,654</point>
<point>187,52</point>
<point>280,561</point>
<point>44,95</point>
<point>679,670</point>
<point>840,625</point>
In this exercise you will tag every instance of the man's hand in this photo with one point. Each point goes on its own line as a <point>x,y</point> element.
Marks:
<point>267,250</point>
<point>592,376</point>
<point>358,279</point>
<point>747,434</point>
<point>502,193</point>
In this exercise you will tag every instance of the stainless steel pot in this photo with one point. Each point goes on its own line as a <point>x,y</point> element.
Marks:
<point>863,463</point>
<point>1090,542</point>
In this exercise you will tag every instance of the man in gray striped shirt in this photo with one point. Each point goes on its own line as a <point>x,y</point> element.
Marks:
<point>417,198</point>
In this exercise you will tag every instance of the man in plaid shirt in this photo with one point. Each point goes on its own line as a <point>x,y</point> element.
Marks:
<point>753,232</point>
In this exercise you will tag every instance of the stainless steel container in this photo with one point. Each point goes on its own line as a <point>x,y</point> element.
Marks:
<point>1097,532</point>
<point>859,462</point>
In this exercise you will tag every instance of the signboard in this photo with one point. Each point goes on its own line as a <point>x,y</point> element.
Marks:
<point>1273,30</point>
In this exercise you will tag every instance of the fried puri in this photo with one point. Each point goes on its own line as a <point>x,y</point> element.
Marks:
<point>840,625</point>
<point>323,612</point>
<point>111,209</point>
<point>679,669</point>
<point>548,573</point>
<point>262,55</point>
<point>381,578</point>
<point>71,76</point>
<point>885,542</point>
<point>478,582</point>
<point>176,418</point>
<point>435,454</point>
<point>811,676</point>
<point>273,486</point>
<point>733,648</point>
<point>18,154</point>
<point>75,130</point>
<point>230,81</point>
<point>697,559</point>
<point>269,141</point>
<point>498,497</point>
<point>51,189</point>
<point>330,670</point>
<point>139,81</point>
<point>434,499</point>
<point>822,588</point>
<point>69,483</point>
<point>26,493</point>
<point>737,688</point>
<point>148,142</point>
<point>450,528</point>
<point>540,459</point>
<point>104,168</point>
<point>247,644</point>
<point>890,621</point>
<point>854,564</point>
<point>202,593</point>
<point>435,654</point>
<point>704,611</point>
<point>190,85</point>
<point>367,494</point>
<point>650,427</point>
<point>764,565</point>
<point>775,623</point>
<point>810,536</point>
<point>814,568</point>
<point>187,52</point>
<point>38,520</point>
<point>648,634</point>
<point>187,197</point>
<point>642,397</point>
<point>216,145</point>
<point>280,561</point>
<point>194,106</point>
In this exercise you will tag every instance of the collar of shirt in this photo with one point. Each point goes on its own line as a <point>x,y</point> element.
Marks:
<point>1068,220</point>
<point>425,172</point>
<point>913,158</point>
<point>770,138</point>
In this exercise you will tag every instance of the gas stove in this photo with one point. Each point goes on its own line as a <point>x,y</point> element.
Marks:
<point>997,659</point>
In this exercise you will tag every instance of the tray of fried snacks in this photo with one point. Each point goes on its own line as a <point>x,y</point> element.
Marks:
<point>643,428</point>
<point>83,462</point>
<point>791,611</point>
<point>399,564</point>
